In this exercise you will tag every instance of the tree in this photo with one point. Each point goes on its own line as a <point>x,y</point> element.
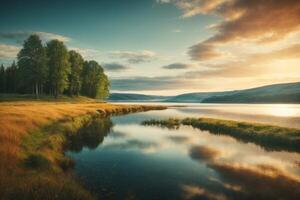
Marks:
<point>2,79</point>
<point>103,87</point>
<point>54,70</point>
<point>59,67</point>
<point>76,62</point>
<point>32,64</point>
<point>95,83</point>
<point>11,78</point>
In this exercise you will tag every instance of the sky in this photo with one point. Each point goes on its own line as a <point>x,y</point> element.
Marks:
<point>166,47</point>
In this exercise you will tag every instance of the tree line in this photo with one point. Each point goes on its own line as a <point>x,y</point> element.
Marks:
<point>53,70</point>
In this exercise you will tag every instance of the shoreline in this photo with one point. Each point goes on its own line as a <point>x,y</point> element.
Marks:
<point>33,143</point>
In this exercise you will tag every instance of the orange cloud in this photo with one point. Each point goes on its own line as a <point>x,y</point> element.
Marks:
<point>256,20</point>
<point>203,51</point>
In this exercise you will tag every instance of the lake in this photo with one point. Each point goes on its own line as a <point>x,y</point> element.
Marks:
<point>117,158</point>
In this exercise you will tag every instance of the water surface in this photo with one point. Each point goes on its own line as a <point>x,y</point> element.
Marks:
<point>117,158</point>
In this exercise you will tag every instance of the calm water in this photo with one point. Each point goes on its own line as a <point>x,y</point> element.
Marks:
<point>117,158</point>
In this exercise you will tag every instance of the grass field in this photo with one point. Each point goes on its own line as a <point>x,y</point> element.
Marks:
<point>268,136</point>
<point>32,134</point>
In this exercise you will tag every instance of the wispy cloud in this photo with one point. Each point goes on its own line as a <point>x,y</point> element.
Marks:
<point>203,51</point>
<point>178,66</point>
<point>20,36</point>
<point>115,66</point>
<point>134,57</point>
<point>237,74</point>
<point>89,54</point>
<point>195,7</point>
<point>251,65</point>
<point>8,51</point>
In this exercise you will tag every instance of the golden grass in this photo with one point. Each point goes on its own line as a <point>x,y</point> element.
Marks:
<point>17,119</point>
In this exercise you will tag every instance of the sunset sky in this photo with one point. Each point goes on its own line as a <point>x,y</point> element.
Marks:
<point>167,47</point>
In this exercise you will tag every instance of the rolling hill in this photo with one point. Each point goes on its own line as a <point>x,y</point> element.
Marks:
<point>277,93</point>
<point>135,97</point>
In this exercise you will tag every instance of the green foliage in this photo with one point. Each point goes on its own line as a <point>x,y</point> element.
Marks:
<point>52,70</point>
<point>94,83</point>
<point>2,80</point>
<point>32,64</point>
<point>10,79</point>
<point>171,123</point>
<point>76,62</point>
<point>59,67</point>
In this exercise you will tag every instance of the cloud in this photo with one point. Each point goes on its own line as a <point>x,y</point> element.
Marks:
<point>89,54</point>
<point>252,65</point>
<point>133,144</point>
<point>247,181</point>
<point>114,66</point>
<point>204,153</point>
<point>146,83</point>
<point>8,51</point>
<point>290,52</point>
<point>195,7</point>
<point>178,66</point>
<point>20,36</point>
<point>203,51</point>
<point>276,66</point>
<point>52,36</point>
<point>198,192</point>
<point>242,20</point>
<point>178,139</point>
<point>134,57</point>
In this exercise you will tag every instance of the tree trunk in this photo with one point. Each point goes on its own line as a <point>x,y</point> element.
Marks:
<point>36,89</point>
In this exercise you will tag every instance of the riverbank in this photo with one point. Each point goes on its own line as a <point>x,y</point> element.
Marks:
<point>268,136</point>
<point>32,139</point>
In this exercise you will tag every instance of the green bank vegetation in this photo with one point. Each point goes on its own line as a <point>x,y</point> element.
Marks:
<point>53,70</point>
<point>44,169</point>
<point>268,136</point>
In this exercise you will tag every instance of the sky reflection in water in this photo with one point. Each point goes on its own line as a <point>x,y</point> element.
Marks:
<point>138,162</point>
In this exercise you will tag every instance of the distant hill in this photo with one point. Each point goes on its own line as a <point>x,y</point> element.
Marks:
<point>135,97</point>
<point>277,93</point>
<point>197,96</point>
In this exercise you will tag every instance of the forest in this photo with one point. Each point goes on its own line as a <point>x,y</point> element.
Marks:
<point>52,69</point>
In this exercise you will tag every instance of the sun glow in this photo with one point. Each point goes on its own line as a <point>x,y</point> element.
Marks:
<point>283,111</point>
